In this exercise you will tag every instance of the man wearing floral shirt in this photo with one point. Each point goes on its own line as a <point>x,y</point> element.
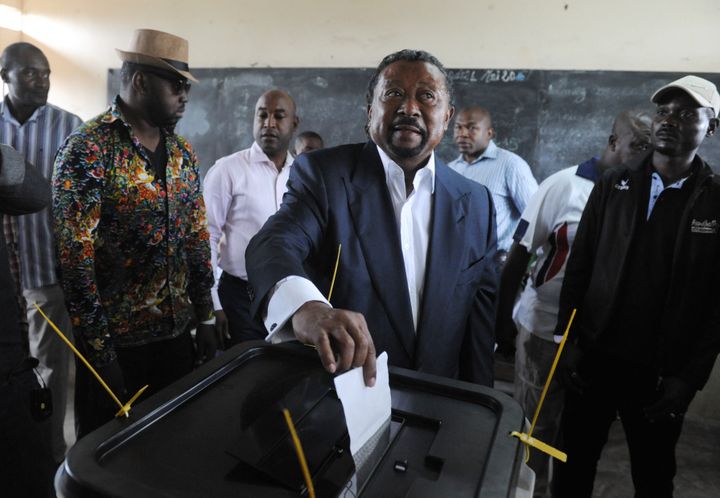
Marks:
<point>131,233</point>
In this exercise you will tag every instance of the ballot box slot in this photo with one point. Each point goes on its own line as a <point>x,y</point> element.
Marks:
<point>409,446</point>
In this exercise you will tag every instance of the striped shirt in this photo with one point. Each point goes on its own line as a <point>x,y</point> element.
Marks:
<point>10,234</point>
<point>510,181</point>
<point>38,139</point>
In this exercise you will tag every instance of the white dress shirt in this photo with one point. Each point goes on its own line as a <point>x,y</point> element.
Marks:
<point>412,213</point>
<point>241,192</point>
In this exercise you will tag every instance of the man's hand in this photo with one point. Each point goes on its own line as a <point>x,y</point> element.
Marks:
<point>113,377</point>
<point>335,331</point>
<point>676,395</point>
<point>208,341</point>
<point>221,324</point>
<point>567,370</point>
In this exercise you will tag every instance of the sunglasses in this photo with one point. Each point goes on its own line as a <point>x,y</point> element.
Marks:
<point>179,83</point>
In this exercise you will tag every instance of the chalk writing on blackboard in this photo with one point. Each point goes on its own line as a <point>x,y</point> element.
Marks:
<point>502,75</point>
<point>463,75</point>
<point>487,76</point>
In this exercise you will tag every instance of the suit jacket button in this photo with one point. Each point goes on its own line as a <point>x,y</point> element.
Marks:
<point>272,327</point>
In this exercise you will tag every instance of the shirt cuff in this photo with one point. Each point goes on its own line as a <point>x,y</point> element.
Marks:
<point>215,298</point>
<point>288,295</point>
<point>217,273</point>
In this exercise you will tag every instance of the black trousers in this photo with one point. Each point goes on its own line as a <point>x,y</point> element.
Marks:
<point>235,300</point>
<point>157,365</point>
<point>615,390</point>
<point>26,463</point>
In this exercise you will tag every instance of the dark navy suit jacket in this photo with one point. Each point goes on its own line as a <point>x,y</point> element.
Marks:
<point>340,196</point>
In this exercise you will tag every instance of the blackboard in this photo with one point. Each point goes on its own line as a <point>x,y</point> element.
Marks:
<point>553,119</point>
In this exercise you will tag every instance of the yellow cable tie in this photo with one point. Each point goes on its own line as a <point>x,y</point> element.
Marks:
<point>536,443</point>
<point>126,406</point>
<point>300,453</point>
<point>124,409</point>
<point>337,264</point>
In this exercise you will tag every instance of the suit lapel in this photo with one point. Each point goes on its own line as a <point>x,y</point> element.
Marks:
<point>445,252</point>
<point>374,219</point>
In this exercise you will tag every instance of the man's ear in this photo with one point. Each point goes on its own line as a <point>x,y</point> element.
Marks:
<point>139,82</point>
<point>612,142</point>
<point>449,116</point>
<point>367,121</point>
<point>296,122</point>
<point>491,132</point>
<point>712,127</point>
<point>4,75</point>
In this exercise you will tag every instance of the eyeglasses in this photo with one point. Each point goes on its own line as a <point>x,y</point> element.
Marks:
<point>179,83</point>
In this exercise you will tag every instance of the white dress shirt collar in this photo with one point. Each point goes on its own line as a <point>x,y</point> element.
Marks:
<point>257,155</point>
<point>392,169</point>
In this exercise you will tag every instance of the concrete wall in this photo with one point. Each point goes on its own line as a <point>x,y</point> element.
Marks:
<point>9,32</point>
<point>79,35</point>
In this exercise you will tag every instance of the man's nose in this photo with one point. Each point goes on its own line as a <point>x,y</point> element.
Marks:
<point>669,119</point>
<point>269,122</point>
<point>409,106</point>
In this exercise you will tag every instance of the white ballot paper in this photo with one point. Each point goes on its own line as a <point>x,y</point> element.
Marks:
<point>367,409</point>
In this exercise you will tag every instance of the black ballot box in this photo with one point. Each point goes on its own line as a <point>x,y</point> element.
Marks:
<point>220,432</point>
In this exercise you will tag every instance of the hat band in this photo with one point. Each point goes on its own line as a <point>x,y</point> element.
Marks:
<point>179,65</point>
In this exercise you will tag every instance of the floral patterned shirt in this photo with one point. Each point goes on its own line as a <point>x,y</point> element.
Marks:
<point>133,249</point>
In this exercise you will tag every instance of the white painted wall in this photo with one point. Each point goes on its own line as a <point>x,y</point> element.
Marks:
<point>79,35</point>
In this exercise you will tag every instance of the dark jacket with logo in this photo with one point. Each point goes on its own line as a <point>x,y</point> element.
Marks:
<point>689,330</point>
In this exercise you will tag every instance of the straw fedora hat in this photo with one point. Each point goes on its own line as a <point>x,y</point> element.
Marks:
<point>158,49</point>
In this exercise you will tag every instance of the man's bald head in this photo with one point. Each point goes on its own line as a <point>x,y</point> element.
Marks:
<point>277,95</point>
<point>633,120</point>
<point>478,113</point>
<point>17,51</point>
<point>629,142</point>
<point>275,122</point>
<point>308,141</point>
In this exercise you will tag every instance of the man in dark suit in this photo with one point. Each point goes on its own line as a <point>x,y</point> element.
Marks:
<point>417,275</point>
